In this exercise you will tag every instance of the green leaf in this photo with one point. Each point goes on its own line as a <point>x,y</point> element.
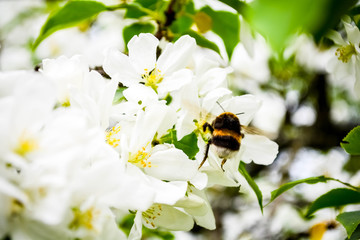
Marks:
<point>353,164</point>
<point>279,20</point>
<point>135,10</point>
<point>135,29</point>
<point>350,220</point>
<point>238,5</point>
<point>227,26</point>
<point>119,96</point>
<point>188,144</point>
<point>181,24</point>
<point>202,41</point>
<point>252,184</point>
<point>72,13</point>
<point>311,180</point>
<point>356,234</point>
<point>351,143</point>
<point>283,188</point>
<point>334,198</point>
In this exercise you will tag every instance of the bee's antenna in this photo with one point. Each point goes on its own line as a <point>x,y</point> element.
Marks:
<point>239,113</point>
<point>220,106</point>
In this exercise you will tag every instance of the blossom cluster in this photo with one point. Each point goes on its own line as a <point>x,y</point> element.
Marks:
<point>80,150</point>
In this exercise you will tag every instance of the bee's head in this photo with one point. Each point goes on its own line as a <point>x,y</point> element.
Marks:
<point>227,120</point>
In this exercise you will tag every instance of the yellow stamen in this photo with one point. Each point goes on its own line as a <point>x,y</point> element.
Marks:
<point>152,78</point>
<point>152,213</point>
<point>16,207</point>
<point>110,136</point>
<point>26,144</point>
<point>82,219</point>
<point>66,103</point>
<point>345,53</point>
<point>141,158</point>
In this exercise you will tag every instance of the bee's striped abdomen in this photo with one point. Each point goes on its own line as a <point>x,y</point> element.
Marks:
<point>226,139</point>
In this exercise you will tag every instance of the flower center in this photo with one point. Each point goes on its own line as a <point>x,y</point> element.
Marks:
<point>111,138</point>
<point>82,219</point>
<point>345,53</point>
<point>141,158</point>
<point>153,78</point>
<point>152,213</point>
<point>16,207</point>
<point>26,144</point>
<point>205,135</point>
<point>66,103</point>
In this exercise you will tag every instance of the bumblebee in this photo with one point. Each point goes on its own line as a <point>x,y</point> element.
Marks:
<point>226,136</point>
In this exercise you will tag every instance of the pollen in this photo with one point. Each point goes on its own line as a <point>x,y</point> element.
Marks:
<point>152,78</point>
<point>66,103</point>
<point>152,213</point>
<point>82,219</point>
<point>111,138</point>
<point>16,207</point>
<point>141,158</point>
<point>345,53</point>
<point>26,144</point>
<point>205,135</point>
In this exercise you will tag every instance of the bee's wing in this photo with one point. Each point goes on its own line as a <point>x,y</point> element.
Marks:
<point>252,130</point>
<point>256,131</point>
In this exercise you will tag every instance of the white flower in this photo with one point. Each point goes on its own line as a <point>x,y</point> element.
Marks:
<point>66,74</point>
<point>251,65</point>
<point>165,74</point>
<point>162,161</point>
<point>346,68</point>
<point>196,112</point>
<point>24,112</point>
<point>161,215</point>
<point>197,205</point>
<point>95,98</point>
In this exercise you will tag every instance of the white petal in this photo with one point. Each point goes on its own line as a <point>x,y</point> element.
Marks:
<point>190,100</point>
<point>173,219</point>
<point>336,37</point>
<point>172,165</point>
<point>139,92</point>
<point>212,79</point>
<point>247,105</point>
<point>185,125</point>
<point>357,77</point>
<point>167,192</point>
<point>157,118</point>
<point>37,93</point>
<point>190,110</point>
<point>258,149</point>
<point>119,67</point>
<point>136,229</point>
<point>142,52</point>
<point>204,215</point>
<point>177,55</point>
<point>175,81</point>
<point>246,37</point>
<point>209,101</point>
<point>217,177</point>
<point>353,33</point>
<point>199,180</point>
<point>105,102</point>
<point>12,191</point>
<point>133,192</point>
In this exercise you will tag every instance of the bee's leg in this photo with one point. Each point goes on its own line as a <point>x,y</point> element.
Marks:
<point>206,153</point>
<point>222,164</point>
